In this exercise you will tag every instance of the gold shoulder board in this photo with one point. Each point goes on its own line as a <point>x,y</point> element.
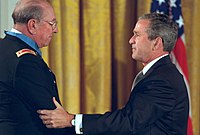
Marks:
<point>25,51</point>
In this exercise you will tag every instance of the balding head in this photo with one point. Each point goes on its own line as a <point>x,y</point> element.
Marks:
<point>28,9</point>
<point>35,19</point>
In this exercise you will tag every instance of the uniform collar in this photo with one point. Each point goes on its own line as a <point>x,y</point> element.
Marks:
<point>24,38</point>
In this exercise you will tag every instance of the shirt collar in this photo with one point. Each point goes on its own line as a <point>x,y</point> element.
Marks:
<point>150,64</point>
<point>24,38</point>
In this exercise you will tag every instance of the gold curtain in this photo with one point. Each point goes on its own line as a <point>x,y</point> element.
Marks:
<point>91,57</point>
<point>192,32</point>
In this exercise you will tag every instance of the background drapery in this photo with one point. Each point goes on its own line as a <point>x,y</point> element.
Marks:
<point>91,57</point>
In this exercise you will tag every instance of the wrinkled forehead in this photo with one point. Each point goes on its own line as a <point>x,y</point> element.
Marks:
<point>48,12</point>
<point>142,25</point>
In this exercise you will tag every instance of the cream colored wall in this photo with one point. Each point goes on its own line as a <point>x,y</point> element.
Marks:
<point>6,9</point>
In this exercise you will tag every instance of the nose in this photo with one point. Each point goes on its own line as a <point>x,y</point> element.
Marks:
<point>131,40</point>
<point>55,30</point>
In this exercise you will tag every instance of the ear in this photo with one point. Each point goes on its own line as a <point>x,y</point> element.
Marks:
<point>32,26</point>
<point>157,44</point>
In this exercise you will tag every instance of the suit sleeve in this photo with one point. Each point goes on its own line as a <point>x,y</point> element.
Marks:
<point>148,102</point>
<point>34,83</point>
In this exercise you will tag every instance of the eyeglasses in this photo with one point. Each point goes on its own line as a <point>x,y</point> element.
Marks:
<point>52,23</point>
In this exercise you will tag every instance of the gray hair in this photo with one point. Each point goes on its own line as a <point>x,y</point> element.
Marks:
<point>26,10</point>
<point>162,26</point>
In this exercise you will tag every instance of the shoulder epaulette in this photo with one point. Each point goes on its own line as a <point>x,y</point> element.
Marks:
<point>25,51</point>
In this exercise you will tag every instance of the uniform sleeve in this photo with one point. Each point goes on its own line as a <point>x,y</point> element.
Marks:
<point>34,83</point>
<point>147,103</point>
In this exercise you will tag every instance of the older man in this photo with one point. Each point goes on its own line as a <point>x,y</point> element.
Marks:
<point>26,82</point>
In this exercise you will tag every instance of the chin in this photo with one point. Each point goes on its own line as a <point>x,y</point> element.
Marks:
<point>133,55</point>
<point>45,45</point>
<point>136,58</point>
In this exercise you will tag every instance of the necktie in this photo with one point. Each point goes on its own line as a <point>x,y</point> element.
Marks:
<point>138,77</point>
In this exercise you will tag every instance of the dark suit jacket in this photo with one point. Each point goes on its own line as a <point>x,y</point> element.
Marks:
<point>26,85</point>
<point>158,105</point>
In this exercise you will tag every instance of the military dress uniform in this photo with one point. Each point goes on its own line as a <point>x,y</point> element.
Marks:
<point>26,85</point>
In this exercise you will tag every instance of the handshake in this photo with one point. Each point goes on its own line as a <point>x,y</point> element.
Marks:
<point>57,118</point>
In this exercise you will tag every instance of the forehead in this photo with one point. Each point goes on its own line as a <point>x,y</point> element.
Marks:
<point>49,12</point>
<point>141,25</point>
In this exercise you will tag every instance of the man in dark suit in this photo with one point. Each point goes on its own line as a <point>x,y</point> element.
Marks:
<point>158,103</point>
<point>26,82</point>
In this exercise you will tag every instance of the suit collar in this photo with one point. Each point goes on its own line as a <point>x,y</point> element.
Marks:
<point>164,60</point>
<point>160,62</point>
<point>150,64</point>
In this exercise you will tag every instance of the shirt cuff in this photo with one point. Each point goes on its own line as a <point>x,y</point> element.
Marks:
<point>78,123</point>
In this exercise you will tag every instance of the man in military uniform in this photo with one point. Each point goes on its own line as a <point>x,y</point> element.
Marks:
<point>26,82</point>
